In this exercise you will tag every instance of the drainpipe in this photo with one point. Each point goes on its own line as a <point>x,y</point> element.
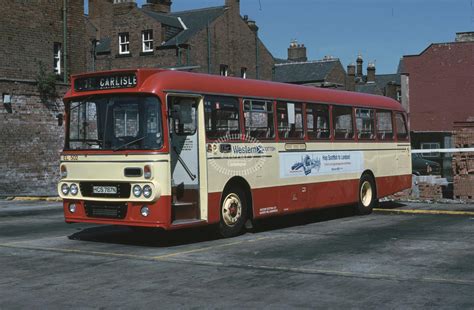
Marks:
<point>208,49</point>
<point>65,75</point>
<point>257,56</point>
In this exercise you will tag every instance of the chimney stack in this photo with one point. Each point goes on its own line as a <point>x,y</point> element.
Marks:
<point>350,82</point>
<point>123,6</point>
<point>297,52</point>
<point>158,6</point>
<point>371,72</point>
<point>360,61</point>
<point>234,5</point>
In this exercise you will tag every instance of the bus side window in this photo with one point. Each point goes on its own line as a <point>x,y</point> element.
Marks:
<point>258,116</point>
<point>290,120</point>
<point>384,125</point>
<point>402,131</point>
<point>222,117</point>
<point>317,121</point>
<point>343,123</point>
<point>365,122</point>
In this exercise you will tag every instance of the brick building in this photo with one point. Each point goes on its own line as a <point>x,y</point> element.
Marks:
<point>214,40</point>
<point>296,69</point>
<point>34,32</point>
<point>438,90</point>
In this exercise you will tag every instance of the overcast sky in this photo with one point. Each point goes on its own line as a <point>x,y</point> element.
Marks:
<point>381,30</point>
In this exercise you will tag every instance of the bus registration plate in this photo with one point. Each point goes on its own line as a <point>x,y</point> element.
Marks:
<point>104,189</point>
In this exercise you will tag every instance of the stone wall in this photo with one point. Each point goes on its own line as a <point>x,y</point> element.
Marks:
<point>463,162</point>
<point>31,140</point>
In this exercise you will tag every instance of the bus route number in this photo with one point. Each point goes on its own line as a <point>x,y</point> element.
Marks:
<point>71,157</point>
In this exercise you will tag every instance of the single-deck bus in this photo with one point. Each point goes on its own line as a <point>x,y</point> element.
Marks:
<point>168,149</point>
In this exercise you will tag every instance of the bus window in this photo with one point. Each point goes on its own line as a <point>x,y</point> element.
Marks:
<point>402,132</point>
<point>222,117</point>
<point>183,115</point>
<point>343,125</point>
<point>290,120</point>
<point>259,119</point>
<point>384,125</point>
<point>365,122</point>
<point>317,121</point>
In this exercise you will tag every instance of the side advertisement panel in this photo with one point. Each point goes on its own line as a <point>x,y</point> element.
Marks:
<point>298,164</point>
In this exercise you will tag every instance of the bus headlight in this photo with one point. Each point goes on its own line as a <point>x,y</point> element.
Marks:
<point>147,191</point>
<point>137,191</point>
<point>74,189</point>
<point>65,189</point>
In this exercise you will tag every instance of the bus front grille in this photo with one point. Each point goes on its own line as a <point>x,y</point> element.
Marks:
<point>114,189</point>
<point>106,210</point>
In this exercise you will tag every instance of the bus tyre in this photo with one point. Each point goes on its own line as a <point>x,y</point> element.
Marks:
<point>233,213</point>
<point>367,195</point>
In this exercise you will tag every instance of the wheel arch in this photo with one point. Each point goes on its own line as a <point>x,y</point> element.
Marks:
<point>241,183</point>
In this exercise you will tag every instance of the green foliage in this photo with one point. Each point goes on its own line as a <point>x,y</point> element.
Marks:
<point>46,83</point>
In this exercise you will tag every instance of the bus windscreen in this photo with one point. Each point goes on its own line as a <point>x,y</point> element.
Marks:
<point>114,123</point>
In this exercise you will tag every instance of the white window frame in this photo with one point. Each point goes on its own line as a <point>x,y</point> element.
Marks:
<point>124,43</point>
<point>224,70</point>
<point>243,72</point>
<point>57,58</point>
<point>147,41</point>
<point>430,146</point>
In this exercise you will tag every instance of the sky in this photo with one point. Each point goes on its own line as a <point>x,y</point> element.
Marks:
<point>382,31</point>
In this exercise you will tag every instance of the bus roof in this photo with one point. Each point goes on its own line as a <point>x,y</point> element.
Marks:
<point>157,81</point>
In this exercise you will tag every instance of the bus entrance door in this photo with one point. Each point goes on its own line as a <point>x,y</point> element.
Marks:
<point>184,158</point>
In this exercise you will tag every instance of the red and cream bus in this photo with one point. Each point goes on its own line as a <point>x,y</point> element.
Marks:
<point>169,149</point>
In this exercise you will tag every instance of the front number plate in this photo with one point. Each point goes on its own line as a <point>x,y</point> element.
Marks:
<point>104,189</point>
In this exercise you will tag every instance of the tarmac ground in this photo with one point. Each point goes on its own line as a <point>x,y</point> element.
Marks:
<point>324,259</point>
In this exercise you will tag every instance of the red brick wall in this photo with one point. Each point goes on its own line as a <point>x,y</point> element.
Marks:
<point>29,29</point>
<point>31,141</point>
<point>441,86</point>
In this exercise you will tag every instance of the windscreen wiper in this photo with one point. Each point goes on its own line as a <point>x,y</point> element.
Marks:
<point>128,143</point>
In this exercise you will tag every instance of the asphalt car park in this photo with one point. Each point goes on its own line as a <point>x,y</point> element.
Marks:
<point>329,258</point>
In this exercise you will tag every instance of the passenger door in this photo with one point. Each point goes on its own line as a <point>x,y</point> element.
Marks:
<point>185,146</point>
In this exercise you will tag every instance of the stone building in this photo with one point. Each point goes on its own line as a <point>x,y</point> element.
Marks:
<point>214,40</point>
<point>296,69</point>
<point>438,90</point>
<point>34,33</point>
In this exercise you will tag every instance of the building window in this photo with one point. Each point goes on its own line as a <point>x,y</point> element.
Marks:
<point>124,43</point>
<point>243,72</point>
<point>147,41</point>
<point>399,95</point>
<point>224,70</point>
<point>57,58</point>
<point>430,146</point>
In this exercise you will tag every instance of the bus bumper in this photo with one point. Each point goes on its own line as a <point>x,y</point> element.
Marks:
<point>113,213</point>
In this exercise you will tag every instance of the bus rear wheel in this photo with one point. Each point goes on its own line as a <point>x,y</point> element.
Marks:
<point>233,213</point>
<point>367,195</point>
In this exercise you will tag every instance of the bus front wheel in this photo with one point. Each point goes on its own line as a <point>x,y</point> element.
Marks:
<point>367,195</point>
<point>233,213</point>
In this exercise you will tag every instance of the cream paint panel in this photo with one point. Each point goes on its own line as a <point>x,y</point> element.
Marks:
<point>382,161</point>
<point>203,186</point>
<point>111,168</point>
